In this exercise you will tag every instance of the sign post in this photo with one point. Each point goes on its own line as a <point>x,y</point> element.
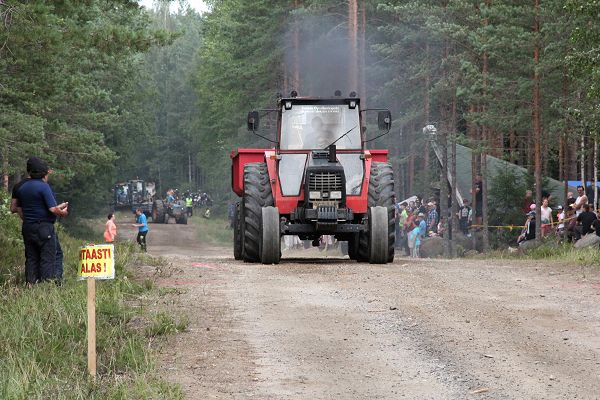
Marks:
<point>95,262</point>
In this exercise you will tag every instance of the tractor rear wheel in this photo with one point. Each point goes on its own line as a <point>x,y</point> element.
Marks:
<point>381,193</point>
<point>257,194</point>
<point>182,219</point>
<point>270,243</point>
<point>237,233</point>
<point>158,212</point>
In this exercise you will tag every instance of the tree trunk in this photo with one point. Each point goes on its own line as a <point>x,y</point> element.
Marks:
<point>427,109</point>
<point>595,175</point>
<point>295,84</point>
<point>352,36</point>
<point>5,175</point>
<point>582,162</point>
<point>537,129</point>
<point>454,212</point>
<point>486,141</point>
<point>363,54</point>
<point>444,186</point>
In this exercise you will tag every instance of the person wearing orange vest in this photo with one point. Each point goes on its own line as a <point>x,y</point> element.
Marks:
<point>110,231</point>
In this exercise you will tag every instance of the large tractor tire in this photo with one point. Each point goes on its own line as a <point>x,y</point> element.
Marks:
<point>182,219</point>
<point>270,243</point>
<point>381,194</point>
<point>238,252</point>
<point>257,194</point>
<point>158,212</point>
<point>378,235</point>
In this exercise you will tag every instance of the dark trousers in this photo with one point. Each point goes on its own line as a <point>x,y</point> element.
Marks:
<point>190,211</point>
<point>40,251</point>
<point>141,239</point>
<point>58,266</point>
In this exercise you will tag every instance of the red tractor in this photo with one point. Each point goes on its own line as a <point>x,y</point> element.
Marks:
<point>319,179</point>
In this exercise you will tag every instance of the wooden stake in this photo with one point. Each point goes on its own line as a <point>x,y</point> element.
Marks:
<point>91,325</point>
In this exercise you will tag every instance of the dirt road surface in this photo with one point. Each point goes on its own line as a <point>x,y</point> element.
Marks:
<point>334,329</point>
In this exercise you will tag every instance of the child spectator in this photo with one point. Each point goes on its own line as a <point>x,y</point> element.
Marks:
<point>465,217</point>
<point>110,230</point>
<point>546,217</point>
<point>560,217</point>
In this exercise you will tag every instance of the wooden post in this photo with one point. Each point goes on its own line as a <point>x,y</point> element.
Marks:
<point>91,326</point>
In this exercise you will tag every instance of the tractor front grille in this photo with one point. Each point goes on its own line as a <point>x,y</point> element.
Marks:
<point>325,181</point>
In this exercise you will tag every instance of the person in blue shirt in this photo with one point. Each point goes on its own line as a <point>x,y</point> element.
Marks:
<point>141,222</point>
<point>34,201</point>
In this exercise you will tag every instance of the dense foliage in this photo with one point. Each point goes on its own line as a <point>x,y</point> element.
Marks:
<point>108,91</point>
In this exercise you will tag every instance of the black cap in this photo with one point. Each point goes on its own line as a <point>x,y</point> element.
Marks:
<point>37,166</point>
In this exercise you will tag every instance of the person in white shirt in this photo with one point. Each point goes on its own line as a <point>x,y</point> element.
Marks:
<point>580,201</point>
<point>547,220</point>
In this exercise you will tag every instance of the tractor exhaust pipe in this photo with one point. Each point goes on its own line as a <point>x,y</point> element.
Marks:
<point>332,154</point>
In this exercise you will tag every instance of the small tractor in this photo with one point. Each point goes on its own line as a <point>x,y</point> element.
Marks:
<point>162,211</point>
<point>319,179</point>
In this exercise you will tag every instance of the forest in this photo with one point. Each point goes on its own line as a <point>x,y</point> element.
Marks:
<point>109,90</point>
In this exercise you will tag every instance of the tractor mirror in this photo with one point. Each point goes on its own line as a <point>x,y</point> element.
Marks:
<point>253,119</point>
<point>384,120</point>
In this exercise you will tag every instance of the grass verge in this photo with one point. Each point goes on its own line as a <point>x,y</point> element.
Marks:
<point>214,231</point>
<point>43,342</point>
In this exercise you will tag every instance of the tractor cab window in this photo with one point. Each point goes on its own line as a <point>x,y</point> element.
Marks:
<point>354,171</point>
<point>314,127</point>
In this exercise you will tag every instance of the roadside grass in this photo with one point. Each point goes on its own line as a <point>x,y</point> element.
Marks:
<point>214,230</point>
<point>549,250</point>
<point>43,334</point>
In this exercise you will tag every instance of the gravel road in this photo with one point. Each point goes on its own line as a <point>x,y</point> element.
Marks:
<point>328,328</point>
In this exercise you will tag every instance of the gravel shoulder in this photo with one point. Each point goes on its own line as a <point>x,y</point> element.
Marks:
<point>329,328</point>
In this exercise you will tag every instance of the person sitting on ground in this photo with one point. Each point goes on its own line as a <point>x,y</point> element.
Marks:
<point>528,232</point>
<point>585,220</point>
<point>110,230</point>
<point>546,217</point>
<point>570,233</point>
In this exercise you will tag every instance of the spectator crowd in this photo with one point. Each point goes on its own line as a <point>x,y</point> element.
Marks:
<point>417,219</point>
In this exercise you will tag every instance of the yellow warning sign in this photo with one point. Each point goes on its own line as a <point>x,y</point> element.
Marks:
<point>97,261</point>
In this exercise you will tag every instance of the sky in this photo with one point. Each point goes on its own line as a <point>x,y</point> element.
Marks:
<point>198,5</point>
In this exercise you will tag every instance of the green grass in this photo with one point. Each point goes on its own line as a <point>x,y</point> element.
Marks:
<point>549,250</point>
<point>214,231</point>
<point>43,342</point>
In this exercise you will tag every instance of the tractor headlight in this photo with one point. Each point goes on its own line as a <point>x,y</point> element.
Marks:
<point>314,195</point>
<point>335,195</point>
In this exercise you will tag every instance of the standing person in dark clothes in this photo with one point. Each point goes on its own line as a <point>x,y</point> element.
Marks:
<point>585,220</point>
<point>34,201</point>
<point>141,222</point>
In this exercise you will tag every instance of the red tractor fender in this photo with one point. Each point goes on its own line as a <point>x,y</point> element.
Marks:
<point>239,158</point>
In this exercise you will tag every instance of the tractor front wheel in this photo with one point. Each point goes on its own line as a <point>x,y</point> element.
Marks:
<point>378,235</point>
<point>270,243</point>
<point>381,194</point>
<point>257,194</point>
<point>182,219</point>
